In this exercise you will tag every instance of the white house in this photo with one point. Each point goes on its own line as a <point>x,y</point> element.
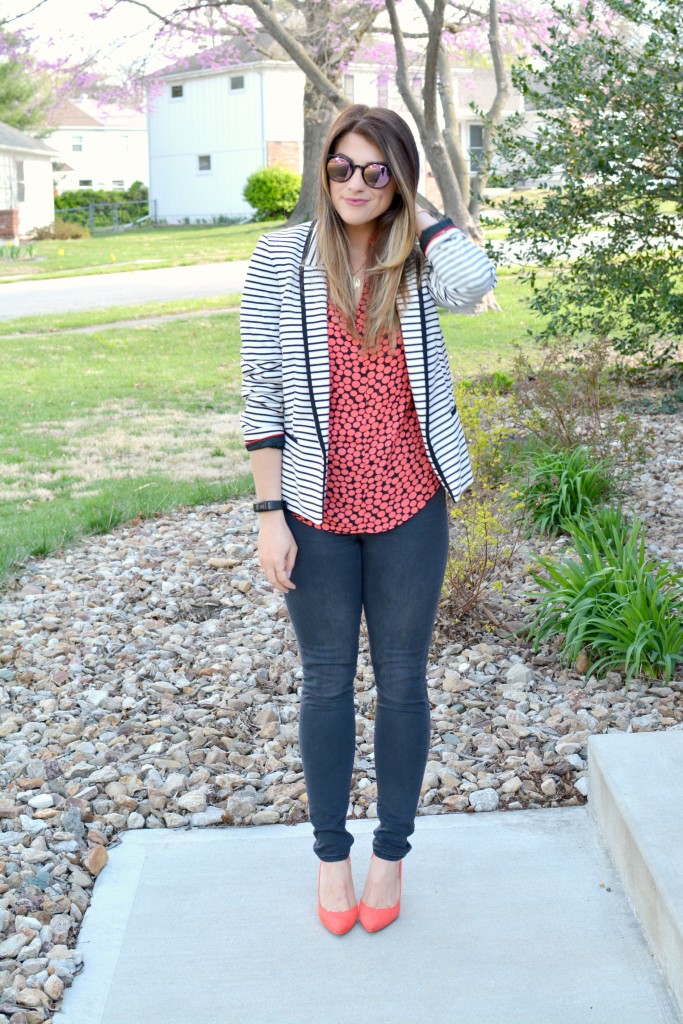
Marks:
<point>26,189</point>
<point>210,128</point>
<point>98,146</point>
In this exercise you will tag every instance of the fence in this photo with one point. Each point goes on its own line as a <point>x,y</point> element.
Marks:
<point>106,218</point>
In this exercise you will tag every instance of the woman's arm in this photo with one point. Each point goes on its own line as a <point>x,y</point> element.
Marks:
<point>276,545</point>
<point>459,272</point>
<point>262,420</point>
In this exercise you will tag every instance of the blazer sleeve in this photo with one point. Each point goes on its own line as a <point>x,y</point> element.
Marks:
<point>262,420</point>
<point>458,271</point>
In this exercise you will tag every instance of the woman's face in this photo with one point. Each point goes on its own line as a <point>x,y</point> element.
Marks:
<point>356,203</point>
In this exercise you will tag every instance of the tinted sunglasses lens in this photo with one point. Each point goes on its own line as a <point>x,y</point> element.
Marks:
<point>338,169</point>
<point>377,175</point>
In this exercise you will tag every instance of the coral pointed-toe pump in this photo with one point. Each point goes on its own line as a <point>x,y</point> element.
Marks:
<point>375,918</point>
<point>336,921</point>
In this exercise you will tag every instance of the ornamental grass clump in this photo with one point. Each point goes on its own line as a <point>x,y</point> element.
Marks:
<point>606,598</point>
<point>562,485</point>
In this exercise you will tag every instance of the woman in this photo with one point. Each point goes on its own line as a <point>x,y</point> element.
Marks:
<point>354,440</point>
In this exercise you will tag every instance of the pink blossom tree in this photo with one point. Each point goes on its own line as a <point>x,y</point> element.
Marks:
<point>323,36</point>
<point>31,87</point>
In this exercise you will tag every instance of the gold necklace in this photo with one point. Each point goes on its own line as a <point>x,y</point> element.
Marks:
<point>356,280</point>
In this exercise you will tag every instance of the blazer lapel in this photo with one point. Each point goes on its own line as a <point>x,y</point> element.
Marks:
<point>414,346</point>
<point>313,289</point>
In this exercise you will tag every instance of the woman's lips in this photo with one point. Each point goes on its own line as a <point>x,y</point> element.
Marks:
<point>356,202</point>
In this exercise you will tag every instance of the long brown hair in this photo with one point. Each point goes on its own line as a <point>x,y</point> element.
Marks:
<point>394,243</point>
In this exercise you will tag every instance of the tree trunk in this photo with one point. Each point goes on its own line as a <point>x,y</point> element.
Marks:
<point>318,116</point>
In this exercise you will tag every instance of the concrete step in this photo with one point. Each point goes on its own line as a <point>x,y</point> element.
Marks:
<point>507,917</point>
<point>636,797</point>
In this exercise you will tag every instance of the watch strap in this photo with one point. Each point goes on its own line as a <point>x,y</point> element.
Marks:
<point>269,506</point>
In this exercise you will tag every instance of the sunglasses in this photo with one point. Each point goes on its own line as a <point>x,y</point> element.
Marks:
<point>340,168</point>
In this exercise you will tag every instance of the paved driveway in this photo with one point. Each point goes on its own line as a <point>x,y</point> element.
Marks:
<point>130,288</point>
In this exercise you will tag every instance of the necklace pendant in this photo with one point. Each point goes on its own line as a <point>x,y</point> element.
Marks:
<point>356,282</point>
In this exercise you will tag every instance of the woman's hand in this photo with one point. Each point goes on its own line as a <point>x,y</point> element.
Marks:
<point>423,219</point>
<point>276,550</point>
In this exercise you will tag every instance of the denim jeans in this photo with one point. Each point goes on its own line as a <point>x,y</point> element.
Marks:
<point>396,577</point>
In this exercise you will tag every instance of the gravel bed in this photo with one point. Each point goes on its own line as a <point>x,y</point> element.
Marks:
<point>149,678</point>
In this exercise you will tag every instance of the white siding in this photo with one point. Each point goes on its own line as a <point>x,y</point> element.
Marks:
<point>212,120</point>
<point>37,209</point>
<point>108,155</point>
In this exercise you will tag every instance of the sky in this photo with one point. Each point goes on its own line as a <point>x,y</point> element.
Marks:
<point>120,39</point>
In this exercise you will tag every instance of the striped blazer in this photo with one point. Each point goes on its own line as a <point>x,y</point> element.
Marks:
<point>285,362</point>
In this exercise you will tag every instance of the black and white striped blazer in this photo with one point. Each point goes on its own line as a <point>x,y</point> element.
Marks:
<point>285,362</point>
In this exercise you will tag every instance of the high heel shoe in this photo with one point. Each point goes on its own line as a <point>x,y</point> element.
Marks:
<point>337,921</point>
<point>375,918</point>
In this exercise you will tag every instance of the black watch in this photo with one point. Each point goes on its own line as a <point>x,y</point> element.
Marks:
<point>269,506</point>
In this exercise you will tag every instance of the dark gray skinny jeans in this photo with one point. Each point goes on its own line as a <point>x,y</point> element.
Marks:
<point>396,576</point>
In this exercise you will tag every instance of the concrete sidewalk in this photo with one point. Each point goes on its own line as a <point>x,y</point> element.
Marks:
<point>130,288</point>
<point>513,917</point>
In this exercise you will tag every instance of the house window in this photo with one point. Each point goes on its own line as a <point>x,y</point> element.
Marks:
<point>21,187</point>
<point>85,183</point>
<point>204,163</point>
<point>118,183</point>
<point>123,139</point>
<point>382,92</point>
<point>176,92</point>
<point>348,87</point>
<point>76,143</point>
<point>236,83</point>
<point>476,146</point>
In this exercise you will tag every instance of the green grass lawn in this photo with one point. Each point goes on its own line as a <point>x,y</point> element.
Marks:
<point>137,249</point>
<point>98,428</point>
<point>59,322</point>
<point>145,247</point>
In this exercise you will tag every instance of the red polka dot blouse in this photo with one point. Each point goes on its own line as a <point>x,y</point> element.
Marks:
<point>378,472</point>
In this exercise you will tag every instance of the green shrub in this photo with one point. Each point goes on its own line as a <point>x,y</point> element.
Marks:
<point>562,485</point>
<point>131,204</point>
<point>483,408</point>
<point>487,531</point>
<point>623,609</point>
<point>63,229</point>
<point>272,191</point>
<point>487,525</point>
<point>572,398</point>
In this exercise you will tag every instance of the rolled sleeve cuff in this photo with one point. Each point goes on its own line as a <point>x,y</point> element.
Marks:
<point>271,441</point>
<point>434,230</point>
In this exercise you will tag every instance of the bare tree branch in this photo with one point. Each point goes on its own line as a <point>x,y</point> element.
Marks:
<point>402,68</point>
<point>495,112</point>
<point>24,14</point>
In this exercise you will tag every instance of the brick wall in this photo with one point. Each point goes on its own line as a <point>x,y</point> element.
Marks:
<point>287,154</point>
<point>9,223</point>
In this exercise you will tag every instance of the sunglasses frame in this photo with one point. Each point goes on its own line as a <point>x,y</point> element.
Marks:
<point>362,167</point>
